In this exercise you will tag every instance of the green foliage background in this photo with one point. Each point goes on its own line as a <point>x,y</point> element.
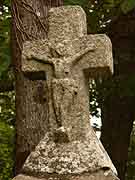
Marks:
<point>7,99</point>
<point>7,119</point>
<point>5,19</point>
<point>99,15</point>
<point>6,151</point>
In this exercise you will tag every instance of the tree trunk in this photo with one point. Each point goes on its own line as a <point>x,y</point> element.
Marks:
<point>118,106</point>
<point>29,22</point>
<point>117,119</point>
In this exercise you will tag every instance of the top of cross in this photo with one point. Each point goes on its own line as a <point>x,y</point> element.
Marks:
<point>66,23</point>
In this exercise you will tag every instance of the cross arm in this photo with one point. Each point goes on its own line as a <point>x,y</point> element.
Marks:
<point>98,61</point>
<point>36,56</point>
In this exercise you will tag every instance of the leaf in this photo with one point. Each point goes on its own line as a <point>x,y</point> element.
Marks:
<point>127,6</point>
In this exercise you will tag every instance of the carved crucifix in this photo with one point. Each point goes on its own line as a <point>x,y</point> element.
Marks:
<point>68,58</point>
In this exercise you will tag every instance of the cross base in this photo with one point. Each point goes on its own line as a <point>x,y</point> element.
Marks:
<point>99,175</point>
<point>68,161</point>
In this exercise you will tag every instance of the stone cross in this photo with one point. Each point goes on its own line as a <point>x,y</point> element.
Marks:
<point>66,60</point>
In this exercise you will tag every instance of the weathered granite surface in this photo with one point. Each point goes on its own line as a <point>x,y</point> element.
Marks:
<point>73,157</point>
<point>70,148</point>
<point>100,175</point>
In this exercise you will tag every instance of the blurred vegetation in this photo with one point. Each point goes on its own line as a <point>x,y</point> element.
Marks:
<point>99,15</point>
<point>6,151</point>
<point>130,175</point>
<point>7,119</point>
<point>5,19</point>
<point>7,99</point>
